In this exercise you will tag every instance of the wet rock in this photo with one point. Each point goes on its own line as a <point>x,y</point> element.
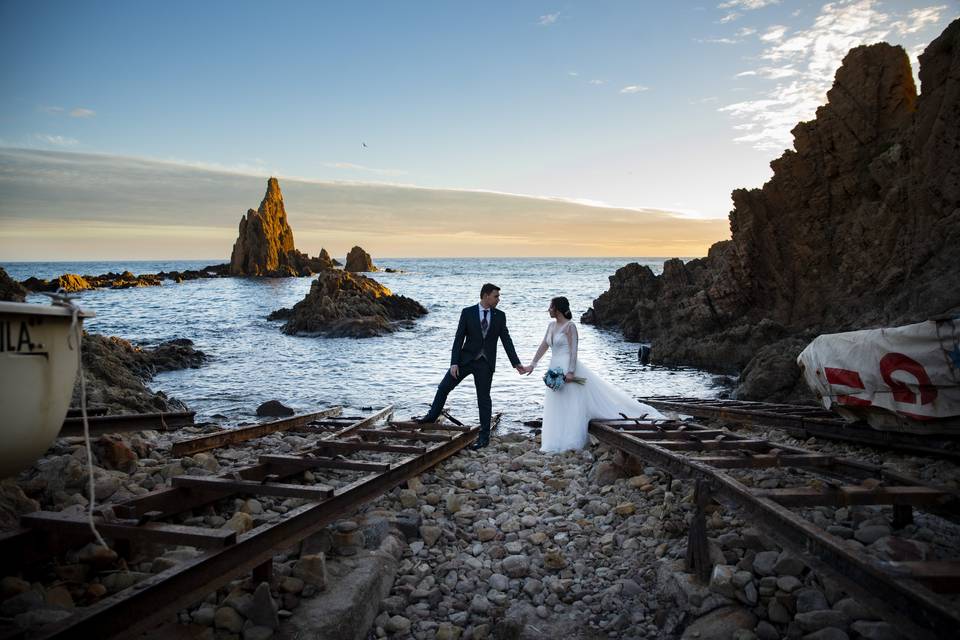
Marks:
<point>274,409</point>
<point>810,600</point>
<point>871,533</point>
<point>10,289</point>
<point>816,620</point>
<point>312,569</point>
<point>516,566</point>
<point>240,522</point>
<point>720,624</point>
<point>875,630</point>
<point>13,504</point>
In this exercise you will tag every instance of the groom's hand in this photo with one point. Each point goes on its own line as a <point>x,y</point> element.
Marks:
<point>455,371</point>
<point>520,369</point>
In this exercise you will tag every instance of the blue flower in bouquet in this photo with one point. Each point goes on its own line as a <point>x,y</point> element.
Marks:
<point>555,378</point>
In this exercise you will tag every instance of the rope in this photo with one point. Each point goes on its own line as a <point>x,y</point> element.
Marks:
<point>77,330</point>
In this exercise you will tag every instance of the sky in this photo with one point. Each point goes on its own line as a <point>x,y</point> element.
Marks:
<point>137,129</point>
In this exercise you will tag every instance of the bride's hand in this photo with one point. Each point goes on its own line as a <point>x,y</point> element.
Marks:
<point>527,370</point>
<point>568,377</point>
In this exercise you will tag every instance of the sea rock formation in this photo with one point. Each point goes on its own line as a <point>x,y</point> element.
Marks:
<point>343,304</point>
<point>10,289</point>
<point>859,227</point>
<point>265,247</point>
<point>116,372</point>
<point>359,261</point>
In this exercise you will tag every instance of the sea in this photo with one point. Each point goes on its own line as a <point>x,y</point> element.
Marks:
<point>251,361</point>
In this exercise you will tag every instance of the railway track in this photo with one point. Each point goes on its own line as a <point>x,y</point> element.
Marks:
<point>363,459</point>
<point>916,597</point>
<point>804,422</point>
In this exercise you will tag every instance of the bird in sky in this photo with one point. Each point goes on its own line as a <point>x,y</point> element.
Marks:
<point>363,144</point>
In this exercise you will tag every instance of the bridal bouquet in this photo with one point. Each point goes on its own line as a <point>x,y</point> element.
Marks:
<point>555,378</point>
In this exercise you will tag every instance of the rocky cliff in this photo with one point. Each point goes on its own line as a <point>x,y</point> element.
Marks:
<point>342,304</point>
<point>859,227</point>
<point>10,289</point>
<point>265,247</point>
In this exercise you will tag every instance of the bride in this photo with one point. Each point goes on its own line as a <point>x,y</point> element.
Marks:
<point>567,412</point>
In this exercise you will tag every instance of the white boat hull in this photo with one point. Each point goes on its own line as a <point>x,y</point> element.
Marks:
<point>38,368</point>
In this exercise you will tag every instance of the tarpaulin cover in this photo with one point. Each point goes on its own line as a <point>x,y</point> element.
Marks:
<point>898,379</point>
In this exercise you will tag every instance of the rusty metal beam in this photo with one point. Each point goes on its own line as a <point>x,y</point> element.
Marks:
<point>402,435</point>
<point>241,434</point>
<point>228,486</point>
<point>161,533</point>
<point>352,446</point>
<point>304,464</point>
<point>100,425</point>
<point>905,603</point>
<point>854,495</point>
<point>132,611</point>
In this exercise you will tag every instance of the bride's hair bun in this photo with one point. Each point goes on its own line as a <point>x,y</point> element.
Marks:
<point>562,305</point>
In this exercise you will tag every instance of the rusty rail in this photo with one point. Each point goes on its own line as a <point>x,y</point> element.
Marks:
<point>227,556</point>
<point>902,592</point>
<point>804,422</point>
<point>240,434</point>
<point>101,424</point>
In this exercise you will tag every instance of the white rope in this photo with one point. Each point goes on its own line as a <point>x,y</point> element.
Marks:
<point>76,329</point>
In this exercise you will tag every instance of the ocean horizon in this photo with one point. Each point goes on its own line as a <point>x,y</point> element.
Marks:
<point>251,361</point>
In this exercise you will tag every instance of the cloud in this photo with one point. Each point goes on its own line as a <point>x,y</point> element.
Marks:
<point>598,82</point>
<point>917,19</point>
<point>634,88</point>
<point>774,33</point>
<point>94,206</point>
<point>746,31</point>
<point>717,40</point>
<point>548,19</point>
<point>746,5</point>
<point>60,141</point>
<point>50,110</point>
<point>80,112</point>
<point>573,74</point>
<point>730,17</point>
<point>809,58</point>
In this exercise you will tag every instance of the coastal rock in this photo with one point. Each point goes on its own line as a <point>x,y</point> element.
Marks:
<point>116,370</point>
<point>875,174</point>
<point>264,245</point>
<point>274,409</point>
<point>359,261</point>
<point>342,304</point>
<point>10,289</point>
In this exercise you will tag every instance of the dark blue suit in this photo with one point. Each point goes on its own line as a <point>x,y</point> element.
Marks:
<point>476,355</point>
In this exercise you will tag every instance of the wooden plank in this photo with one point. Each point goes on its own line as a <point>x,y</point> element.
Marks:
<point>233,436</point>
<point>676,434</point>
<point>350,445</point>
<point>766,461</point>
<point>228,486</point>
<point>403,435</point>
<point>325,463</point>
<point>157,532</point>
<point>713,445</point>
<point>854,494</point>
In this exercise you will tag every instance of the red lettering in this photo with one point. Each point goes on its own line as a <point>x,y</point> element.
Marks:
<point>893,362</point>
<point>846,378</point>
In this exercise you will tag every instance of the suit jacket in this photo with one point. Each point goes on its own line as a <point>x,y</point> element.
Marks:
<point>470,342</point>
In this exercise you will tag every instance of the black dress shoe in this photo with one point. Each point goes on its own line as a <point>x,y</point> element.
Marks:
<point>479,444</point>
<point>425,420</point>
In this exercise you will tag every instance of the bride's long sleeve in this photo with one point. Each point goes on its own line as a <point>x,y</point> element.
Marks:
<point>573,339</point>
<point>542,349</point>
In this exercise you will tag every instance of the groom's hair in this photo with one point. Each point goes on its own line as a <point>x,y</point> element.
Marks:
<point>487,288</point>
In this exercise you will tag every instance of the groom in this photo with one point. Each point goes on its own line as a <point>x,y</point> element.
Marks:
<point>475,353</point>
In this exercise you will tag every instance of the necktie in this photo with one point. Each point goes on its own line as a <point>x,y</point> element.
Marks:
<point>483,323</point>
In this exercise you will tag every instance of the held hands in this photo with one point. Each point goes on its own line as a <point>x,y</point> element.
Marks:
<point>520,369</point>
<point>525,370</point>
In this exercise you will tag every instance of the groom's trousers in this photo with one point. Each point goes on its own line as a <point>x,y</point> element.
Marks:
<point>482,374</point>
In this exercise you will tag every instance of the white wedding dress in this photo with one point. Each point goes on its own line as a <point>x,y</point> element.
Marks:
<point>568,412</point>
